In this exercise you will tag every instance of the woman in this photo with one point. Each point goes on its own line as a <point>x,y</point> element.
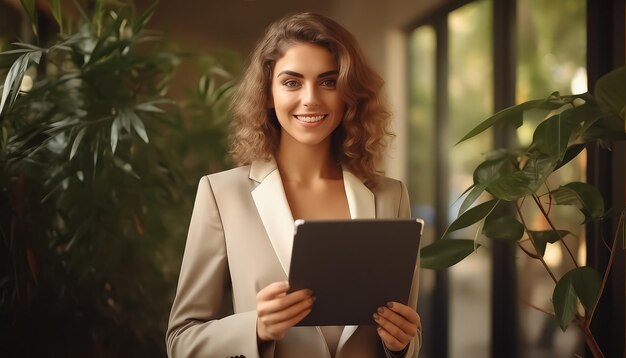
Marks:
<point>309,129</point>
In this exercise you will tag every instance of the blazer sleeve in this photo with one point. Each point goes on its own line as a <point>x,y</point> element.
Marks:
<point>404,211</point>
<point>201,322</point>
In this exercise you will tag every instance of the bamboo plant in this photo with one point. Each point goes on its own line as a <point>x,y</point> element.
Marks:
<point>94,195</point>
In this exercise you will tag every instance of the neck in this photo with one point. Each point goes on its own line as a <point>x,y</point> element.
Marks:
<point>306,163</point>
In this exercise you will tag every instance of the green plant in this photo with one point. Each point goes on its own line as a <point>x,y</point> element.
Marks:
<point>519,176</point>
<point>94,194</point>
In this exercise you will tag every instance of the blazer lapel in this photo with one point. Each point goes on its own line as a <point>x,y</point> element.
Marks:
<point>361,200</point>
<point>273,208</point>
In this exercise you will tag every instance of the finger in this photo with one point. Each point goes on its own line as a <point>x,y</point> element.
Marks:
<point>287,313</point>
<point>281,303</point>
<point>407,325</point>
<point>390,341</point>
<point>277,331</point>
<point>272,290</point>
<point>394,329</point>
<point>405,311</point>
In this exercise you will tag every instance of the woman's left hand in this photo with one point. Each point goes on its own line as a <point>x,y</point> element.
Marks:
<point>398,324</point>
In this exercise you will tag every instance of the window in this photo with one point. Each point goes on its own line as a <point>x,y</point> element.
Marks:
<point>550,56</point>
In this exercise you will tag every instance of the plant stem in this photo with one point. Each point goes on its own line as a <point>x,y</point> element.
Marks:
<point>538,308</point>
<point>537,256</point>
<point>545,215</point>
<point>614,249</point>
<point>591,342</point>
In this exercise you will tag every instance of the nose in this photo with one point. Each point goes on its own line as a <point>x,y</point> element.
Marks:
<point>310,96</point>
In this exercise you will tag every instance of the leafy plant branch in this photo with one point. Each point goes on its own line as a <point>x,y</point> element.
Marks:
<point>511,175</point>
<point>554,229</point>
<point>537,255</point>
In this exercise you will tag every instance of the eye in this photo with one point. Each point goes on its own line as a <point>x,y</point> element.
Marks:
<point>291,83</point>
<point>330,83</point>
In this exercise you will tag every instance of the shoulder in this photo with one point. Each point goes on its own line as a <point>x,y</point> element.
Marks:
<point>238,173</point>
<point>392,198</point>
<point>389,187</point>
<point>226,180</point>
<point>227,185</point>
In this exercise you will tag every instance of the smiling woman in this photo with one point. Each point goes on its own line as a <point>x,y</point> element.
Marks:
<point>305,98</point>
<point>309,128</point>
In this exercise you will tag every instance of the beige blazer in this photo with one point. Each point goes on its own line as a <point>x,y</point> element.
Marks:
<point>239,241</point>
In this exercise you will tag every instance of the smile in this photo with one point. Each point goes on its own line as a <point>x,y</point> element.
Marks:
<point>310,118</point>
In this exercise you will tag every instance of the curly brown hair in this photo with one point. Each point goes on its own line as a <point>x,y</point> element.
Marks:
<point>358,142</point>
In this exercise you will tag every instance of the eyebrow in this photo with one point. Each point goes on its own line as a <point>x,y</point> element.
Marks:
<point>299,75</point>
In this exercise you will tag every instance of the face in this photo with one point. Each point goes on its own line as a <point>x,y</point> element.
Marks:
<point>305,96</point>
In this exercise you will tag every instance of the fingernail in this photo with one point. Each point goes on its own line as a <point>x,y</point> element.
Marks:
<point>375,315</point>
<point>309,292</point>
<point>312,299</point>
<point>381,310</point>
<point>389,304</point>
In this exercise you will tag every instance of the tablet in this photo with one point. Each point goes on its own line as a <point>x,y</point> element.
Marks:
<point>353,266</point>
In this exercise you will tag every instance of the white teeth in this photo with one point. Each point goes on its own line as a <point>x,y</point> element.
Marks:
<point>311,119</point>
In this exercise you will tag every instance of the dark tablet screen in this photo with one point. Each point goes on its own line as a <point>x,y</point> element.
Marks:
<point>353,266</point>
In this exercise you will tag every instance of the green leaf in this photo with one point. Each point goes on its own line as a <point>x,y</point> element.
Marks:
<point>492,169</point>
<point>512,186</point>
<point>552,135</point>
<point>502,178</point>
<point>55,7</point>
<point>471,197</point>
<point>125,119</point>
<point>542,238</point>
<point>100,50</point>
<point>586,281</point>
<point>115,133</point>
<point>580,283</point>
<point>571,153</point>
<point>77,140</point>
<point>31,10</point>
<point>96,153</point>
<point>138,126</point>
<point>564,301</point>
<point>538,169</point>
<point>14,78</point>
<point>145,17</point>
<point>504,228</point>
<point>585,197</point>
<point>523,182</point>
<point>472,216</point>
<point>445,253</point>
<point>148,107</point>
<point>514,114</point>
<point>610,91</point>
<point>27,46</point>
<point>11,52</point>
<point>126,167</point>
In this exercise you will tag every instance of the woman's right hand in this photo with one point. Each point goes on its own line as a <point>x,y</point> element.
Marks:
<point>277,310</point>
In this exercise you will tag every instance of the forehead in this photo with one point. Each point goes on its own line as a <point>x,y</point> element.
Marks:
<point>305,58</point>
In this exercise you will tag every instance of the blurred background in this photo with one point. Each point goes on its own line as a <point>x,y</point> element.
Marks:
<point>92,242</point>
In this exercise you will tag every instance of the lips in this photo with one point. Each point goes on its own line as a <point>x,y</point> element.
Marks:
<point>310,118</point>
